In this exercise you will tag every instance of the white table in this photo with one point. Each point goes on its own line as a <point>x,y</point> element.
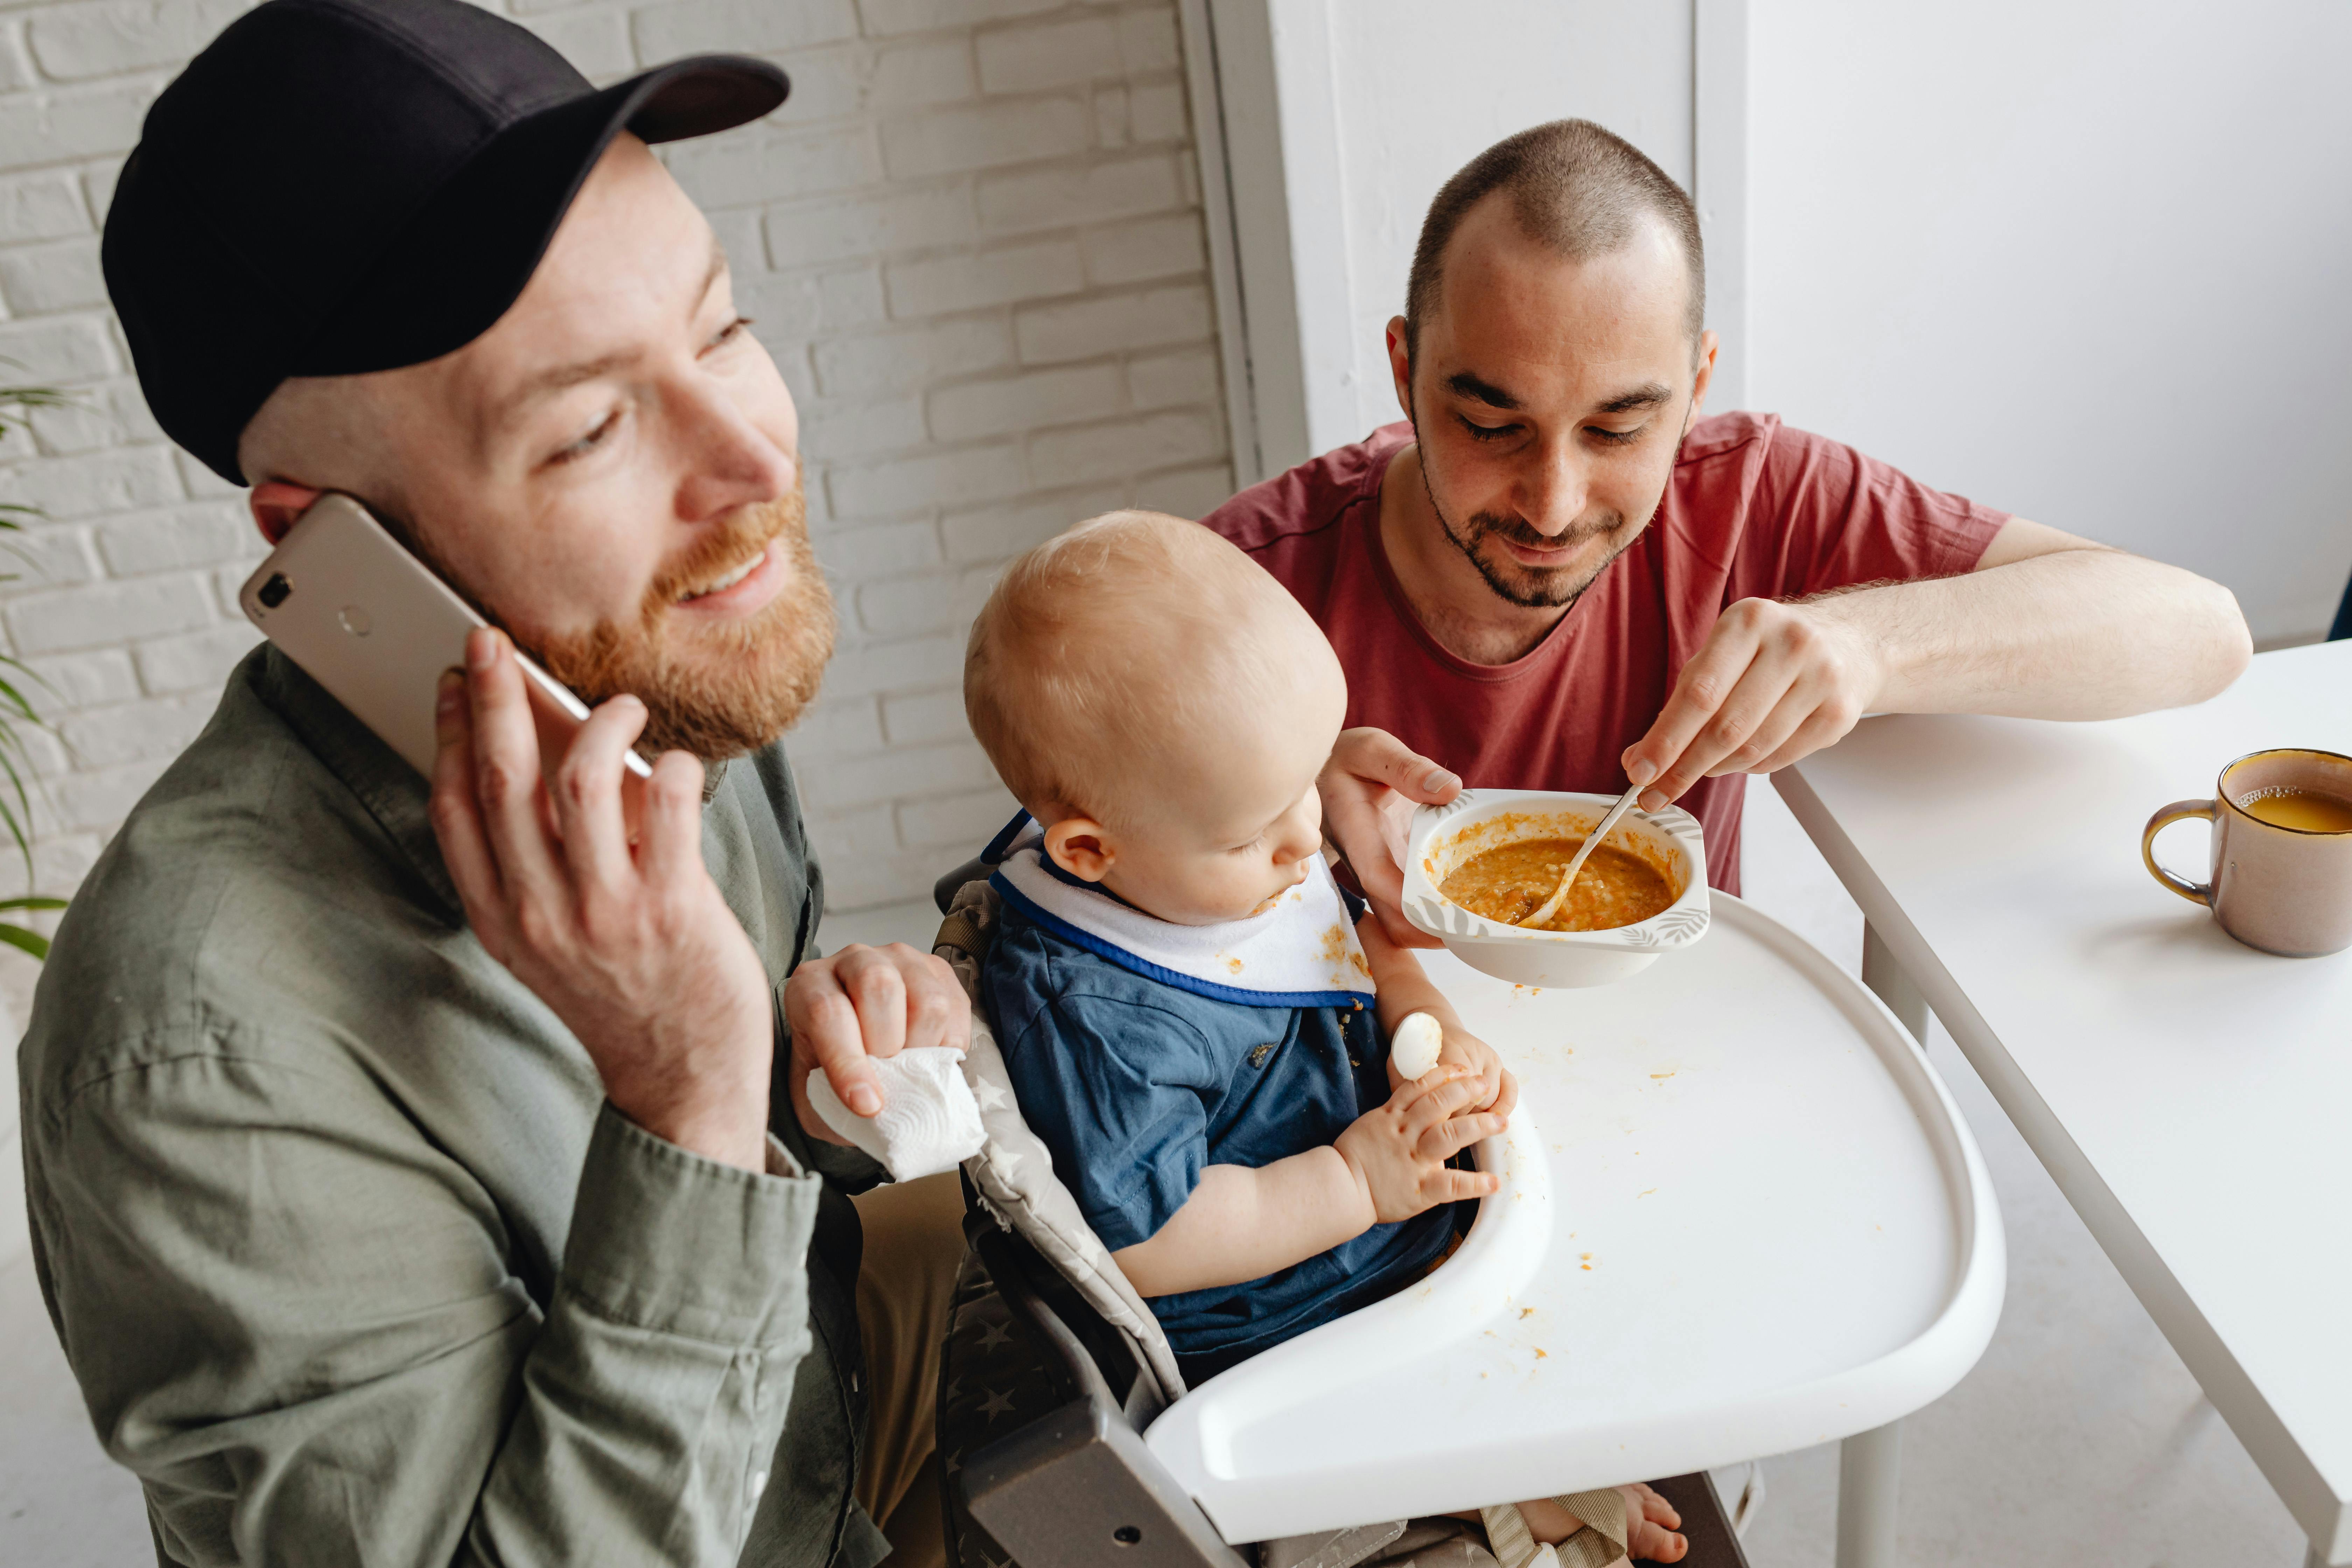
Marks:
<point>1740,1214</point>
<point>2191,1097</point>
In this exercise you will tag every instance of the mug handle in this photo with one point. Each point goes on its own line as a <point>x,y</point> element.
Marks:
<point>2179,811</point>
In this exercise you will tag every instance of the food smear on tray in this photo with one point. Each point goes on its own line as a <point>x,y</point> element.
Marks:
<point>1512,881</point>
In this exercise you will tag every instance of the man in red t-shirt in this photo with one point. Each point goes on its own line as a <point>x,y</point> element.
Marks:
<point>1555,575</point>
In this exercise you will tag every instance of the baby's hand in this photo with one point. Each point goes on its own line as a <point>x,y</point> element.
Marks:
<point>1398,1153</point>
<point>1498,1090</point>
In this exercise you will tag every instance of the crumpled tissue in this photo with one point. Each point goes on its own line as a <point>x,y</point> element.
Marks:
<point>928,1121</point>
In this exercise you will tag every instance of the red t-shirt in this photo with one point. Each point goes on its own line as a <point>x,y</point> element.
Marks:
<point>1755,509</point>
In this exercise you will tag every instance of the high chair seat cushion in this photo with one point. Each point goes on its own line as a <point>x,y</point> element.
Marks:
<point>1013,1172</point>
<point>994,1379</point>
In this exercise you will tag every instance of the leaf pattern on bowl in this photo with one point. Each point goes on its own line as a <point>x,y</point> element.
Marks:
<point>1676,928</point>
<point>1448,918</point>
<point>1454,807</point>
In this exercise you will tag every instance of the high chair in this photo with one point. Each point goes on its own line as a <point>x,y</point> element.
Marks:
<point>1739,1214</point>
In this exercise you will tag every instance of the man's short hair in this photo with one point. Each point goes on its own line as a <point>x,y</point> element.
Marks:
<point>1579,189</point>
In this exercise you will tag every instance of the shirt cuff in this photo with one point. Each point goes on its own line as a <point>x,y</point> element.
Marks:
<point>670,1242</point>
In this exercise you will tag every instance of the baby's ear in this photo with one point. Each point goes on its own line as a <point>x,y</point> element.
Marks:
<point>1082,846</point>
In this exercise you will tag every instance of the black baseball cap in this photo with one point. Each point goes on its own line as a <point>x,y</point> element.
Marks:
<point>339,186</point>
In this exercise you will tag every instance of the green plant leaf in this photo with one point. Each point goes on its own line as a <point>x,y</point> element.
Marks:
<point>15,801</point>
<point>12,698</point>
<point>31,942</point>
<point>32,901</point>
<point>13,400</point>
<point>16,709</point>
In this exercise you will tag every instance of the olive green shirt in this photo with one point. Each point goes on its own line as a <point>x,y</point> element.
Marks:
<point>353,1259</point>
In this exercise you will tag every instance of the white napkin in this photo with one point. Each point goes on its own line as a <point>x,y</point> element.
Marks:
<point>928,1121</point>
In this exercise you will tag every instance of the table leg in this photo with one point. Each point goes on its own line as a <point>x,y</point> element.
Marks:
<point>1884,975</point>
<point>1869,1466</point>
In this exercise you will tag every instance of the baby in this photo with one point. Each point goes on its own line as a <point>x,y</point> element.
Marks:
<point>1194,1014</point>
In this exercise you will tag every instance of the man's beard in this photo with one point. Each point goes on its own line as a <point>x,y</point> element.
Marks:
<point>738,685</point>
<point>1530,587</point>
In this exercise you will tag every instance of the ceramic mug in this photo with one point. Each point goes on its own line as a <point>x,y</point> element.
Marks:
<point>2283,889</point>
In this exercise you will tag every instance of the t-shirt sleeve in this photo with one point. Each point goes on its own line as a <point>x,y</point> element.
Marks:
<point>1117,1089</point>
<point>1825,516</point>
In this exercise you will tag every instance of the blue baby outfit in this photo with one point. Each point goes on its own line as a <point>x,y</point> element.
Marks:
<point>1142,1051</point>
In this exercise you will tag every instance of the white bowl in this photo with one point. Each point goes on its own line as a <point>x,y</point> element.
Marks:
<point>1441,836</point>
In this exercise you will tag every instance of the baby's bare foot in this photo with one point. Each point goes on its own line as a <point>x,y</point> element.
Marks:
<point>1651,1524</point>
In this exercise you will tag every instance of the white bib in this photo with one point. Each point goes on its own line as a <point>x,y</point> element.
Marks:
<point>1302,952</point>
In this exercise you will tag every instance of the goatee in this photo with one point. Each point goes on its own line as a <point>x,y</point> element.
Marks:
<point>1530,587</point>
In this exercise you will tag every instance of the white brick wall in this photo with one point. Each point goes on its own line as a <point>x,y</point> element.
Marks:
<point>970,239</point>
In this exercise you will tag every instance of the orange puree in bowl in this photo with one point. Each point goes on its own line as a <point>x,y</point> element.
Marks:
<point>1512,881</point>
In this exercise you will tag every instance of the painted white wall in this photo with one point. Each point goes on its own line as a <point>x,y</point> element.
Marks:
<point>2091,263</point>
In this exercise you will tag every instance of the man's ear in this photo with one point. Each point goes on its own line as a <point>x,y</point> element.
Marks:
<point>1401,364</point>
<point>1082,846</point>
<point>1703,377</point>
<point>276,504</point>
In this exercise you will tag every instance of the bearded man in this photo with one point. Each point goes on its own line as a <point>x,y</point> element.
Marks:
<point>427,1176</point>
<point>1555,574</point>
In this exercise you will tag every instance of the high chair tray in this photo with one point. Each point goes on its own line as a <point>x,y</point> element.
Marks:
<point>1739,1214</point>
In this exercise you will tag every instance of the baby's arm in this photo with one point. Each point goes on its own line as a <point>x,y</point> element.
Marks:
<point>1390,1164</point>
<point>1404,990</point>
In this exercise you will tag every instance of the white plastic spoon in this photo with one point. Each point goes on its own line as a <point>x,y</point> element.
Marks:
<point>1593,841</point>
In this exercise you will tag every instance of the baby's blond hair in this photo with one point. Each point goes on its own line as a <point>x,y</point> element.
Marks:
<point>1107,653</point>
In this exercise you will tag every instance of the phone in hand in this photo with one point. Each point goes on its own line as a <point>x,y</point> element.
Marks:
<point>370,622</point>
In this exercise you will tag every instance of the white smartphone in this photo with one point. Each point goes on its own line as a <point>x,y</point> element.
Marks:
<point>372,624</point>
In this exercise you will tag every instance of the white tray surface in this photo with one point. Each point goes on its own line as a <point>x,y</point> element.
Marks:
<point>1753,1221</point>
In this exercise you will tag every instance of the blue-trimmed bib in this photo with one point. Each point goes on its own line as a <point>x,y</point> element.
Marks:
<point>1303,952</point>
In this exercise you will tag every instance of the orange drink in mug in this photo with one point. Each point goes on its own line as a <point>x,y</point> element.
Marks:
<point>2282,860</point>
